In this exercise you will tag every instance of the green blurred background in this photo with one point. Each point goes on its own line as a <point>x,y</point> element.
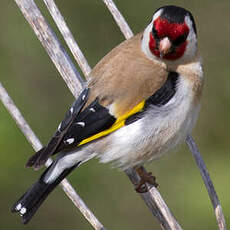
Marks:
<point>37,89</point>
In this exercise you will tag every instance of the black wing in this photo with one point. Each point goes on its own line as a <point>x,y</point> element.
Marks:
<point>42,155</point>
<point>79,125</point>
<point>94,119</point>
<point>76,126</point>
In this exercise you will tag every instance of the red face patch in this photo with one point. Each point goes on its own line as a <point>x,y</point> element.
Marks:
<point>173,31</point>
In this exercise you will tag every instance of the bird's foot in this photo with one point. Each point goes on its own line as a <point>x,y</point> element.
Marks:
<point>146,177</point>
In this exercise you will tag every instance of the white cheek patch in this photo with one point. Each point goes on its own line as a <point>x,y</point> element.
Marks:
<point>191,39</point>
<point>189,23</point>
<point>157,14</point>
<point>145,42</point>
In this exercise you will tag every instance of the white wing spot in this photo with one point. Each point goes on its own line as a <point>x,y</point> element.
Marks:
<point>18,207</point>
<point>83,97</point>
<point>92,110</point>
<point>81,124</point>
<point>71,109</point>
<point>70,140</point>
<point>59,127</point>
<point>23,211</point>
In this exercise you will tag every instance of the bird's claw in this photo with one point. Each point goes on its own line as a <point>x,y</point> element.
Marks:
<point>146,177</point>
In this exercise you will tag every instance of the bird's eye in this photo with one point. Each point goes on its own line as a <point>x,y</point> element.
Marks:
<point>180,39</point>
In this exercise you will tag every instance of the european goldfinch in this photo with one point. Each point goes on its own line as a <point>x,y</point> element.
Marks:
<point>142,99</point>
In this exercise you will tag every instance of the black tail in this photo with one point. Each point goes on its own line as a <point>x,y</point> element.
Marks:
<point>28,204</point>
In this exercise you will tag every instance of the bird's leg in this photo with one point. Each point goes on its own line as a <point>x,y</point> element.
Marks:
<point>146,177</point>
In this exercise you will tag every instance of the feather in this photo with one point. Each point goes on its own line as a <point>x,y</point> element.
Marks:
<point>39,158</point>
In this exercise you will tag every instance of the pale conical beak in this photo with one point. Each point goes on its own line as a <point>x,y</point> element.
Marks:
<point>164,46</point>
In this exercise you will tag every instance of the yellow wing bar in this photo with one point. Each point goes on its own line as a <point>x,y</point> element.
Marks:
<point>118,124</point>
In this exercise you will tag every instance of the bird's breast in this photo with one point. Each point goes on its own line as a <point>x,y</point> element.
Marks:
<point>158,130</point>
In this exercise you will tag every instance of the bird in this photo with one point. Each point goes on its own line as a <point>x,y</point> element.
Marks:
<point>141,100</point>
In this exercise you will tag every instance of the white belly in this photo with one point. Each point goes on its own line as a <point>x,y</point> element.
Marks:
<point>160,129</point>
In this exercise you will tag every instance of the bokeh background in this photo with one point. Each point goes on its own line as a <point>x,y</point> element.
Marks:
<point>37,89</point>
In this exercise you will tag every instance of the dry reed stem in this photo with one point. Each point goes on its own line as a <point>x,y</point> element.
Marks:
<point>36,144</point>
<point>208,183</point>
<point>68,37</point>
<point>86,69</point>
<point>190,142</point>
<point>51,44</point>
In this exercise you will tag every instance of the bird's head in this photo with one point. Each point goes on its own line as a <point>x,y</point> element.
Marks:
<point>171,35</point>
